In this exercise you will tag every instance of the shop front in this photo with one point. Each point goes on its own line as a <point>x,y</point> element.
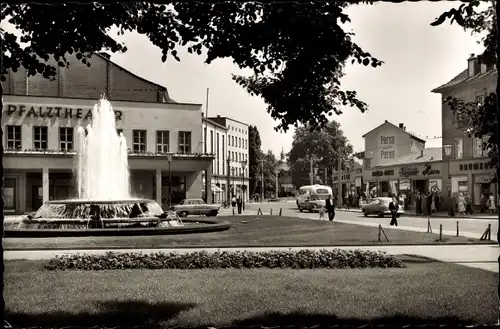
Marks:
<point>405,179</point>
<point>475,177</point>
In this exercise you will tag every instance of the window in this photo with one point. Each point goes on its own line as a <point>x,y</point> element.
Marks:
<point>162,141</point>
<point>14,141</point>
<point>40,138</point>
<point>232,141</point>
<point>218,155</point>
<point>480,96</point>
<point>223,156</point>
<point>478,151</point>
<point>246,144</point>
<point>66,138</point>
<point>184,142</point>
<point>205,138</point>
<point>139,141</point>
<point>119,131</point>
<point>240,143</point>
<point>459,148</point>
<point>211,142</point>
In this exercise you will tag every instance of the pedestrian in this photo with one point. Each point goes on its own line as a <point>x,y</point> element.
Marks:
<point>322,212</point>
<point>393,207</point>
<point>233,202</point>
<point>468,204</point>
<point>424,203</point>
<point>433,204</point>
<point>429,203</point>
<point>461,204</point>
<point>418,204</point>
<point>330,208</point>
<point>491,205</point>
<point>239,202</point>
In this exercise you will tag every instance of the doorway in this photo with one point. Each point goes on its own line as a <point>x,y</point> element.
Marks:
<point>36,197</point>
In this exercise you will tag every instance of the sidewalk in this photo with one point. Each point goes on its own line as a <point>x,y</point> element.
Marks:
<point>443,214</point>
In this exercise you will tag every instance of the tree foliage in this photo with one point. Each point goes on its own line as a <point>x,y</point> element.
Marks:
<point>254,156</point>
<point>479,119</point>
<point>295,50</point>
<point>323,145</point>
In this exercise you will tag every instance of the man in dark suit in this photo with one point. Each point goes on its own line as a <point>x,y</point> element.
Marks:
<point>393,207</point>
<point>330,208</point>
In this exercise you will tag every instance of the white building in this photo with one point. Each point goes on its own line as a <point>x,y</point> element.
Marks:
<point>228,140</point>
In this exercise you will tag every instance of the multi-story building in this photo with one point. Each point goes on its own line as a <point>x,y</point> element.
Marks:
<point>40,119</point>
<point>215,142</point>
<point>467,168</point>
<point>236,158</point>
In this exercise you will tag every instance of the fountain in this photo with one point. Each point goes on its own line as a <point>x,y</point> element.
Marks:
<point>105,205</point>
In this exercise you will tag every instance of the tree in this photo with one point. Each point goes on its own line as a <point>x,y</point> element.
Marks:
<point>296,51</point>
<point>254,156</point>
<point>323,146</point>
<point>270,166</point>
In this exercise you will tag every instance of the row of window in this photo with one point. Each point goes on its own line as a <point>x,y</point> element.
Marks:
<point>477,148</point>
<point>66,139</point>
<point>231,140</point>
<point>237,142</point>
<point>242,131</point>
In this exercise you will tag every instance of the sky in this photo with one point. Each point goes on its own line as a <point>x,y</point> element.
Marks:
<point>417,56</point>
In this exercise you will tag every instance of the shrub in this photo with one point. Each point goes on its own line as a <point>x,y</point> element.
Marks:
<point>226,259</point>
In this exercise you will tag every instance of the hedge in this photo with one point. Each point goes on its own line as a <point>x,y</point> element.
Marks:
<point>303,259</point>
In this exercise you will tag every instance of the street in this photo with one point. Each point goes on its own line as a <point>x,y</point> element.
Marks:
<point>469,227</point>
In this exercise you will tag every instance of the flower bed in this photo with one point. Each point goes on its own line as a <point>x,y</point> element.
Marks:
<point>303,259</point>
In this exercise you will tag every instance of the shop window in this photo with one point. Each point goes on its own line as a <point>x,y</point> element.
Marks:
<point>40,137</point>
<point>9,194</point>
<point>162,141</point>
<point>139,141</point>
<point>66,138</point>
<point>184,142</point>
<point>459,148</point>
<point>14,141</point>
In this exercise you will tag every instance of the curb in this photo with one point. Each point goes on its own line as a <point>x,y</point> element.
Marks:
<point>435,216</point>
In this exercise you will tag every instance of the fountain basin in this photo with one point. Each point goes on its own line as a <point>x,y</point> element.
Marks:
<point>63,218</point>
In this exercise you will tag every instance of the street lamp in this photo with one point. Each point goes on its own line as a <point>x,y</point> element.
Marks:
<point>169,159</point>
<point>447,151</point>
<point>243,166</point>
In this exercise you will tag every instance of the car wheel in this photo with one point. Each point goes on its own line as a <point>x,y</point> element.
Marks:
<point>183,214</point>
<point>380,214</point>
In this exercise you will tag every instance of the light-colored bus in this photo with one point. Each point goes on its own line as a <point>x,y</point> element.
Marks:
<point>312,197</point>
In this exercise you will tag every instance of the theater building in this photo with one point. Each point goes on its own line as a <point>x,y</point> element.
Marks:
<point>467,168</point>
<point>40,119</point>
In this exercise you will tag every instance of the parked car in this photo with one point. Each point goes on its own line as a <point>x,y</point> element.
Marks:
<point>380,207</point>
<point>196,207</point>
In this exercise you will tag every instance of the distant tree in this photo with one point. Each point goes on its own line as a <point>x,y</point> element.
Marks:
<point>323,146</point>
<point>270,166</point>
<point>254,156</point>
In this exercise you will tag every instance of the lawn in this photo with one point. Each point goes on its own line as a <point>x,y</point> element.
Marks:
<point>248,231</point>
<point>423,292</point>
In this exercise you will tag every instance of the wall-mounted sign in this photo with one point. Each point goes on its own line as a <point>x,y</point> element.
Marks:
<point>408,171</point>
<point>483,179</point>
<point>428,171</point>
<point>389,172</point>
<point>53,112</point>
<point>475,166</point>
<point>377,173</point>
<point>387,154</point>
<point>387,140</point>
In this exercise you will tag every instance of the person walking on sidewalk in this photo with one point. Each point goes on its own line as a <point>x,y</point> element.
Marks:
<point>239,202</point>
<point>330,208</point>
<point>418,204</point>
<point>393,207</point>
<point>491,205</point>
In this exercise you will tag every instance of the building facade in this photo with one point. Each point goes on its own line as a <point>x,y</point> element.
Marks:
<point>215,142</point>
<point>467,168</point>
<point>233,160</point>
<point>40,119</point>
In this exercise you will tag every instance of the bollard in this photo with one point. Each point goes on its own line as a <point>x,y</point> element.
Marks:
<point>429,227</point>
<point>440,232</point>
<point>489,232</point>
<point>280,211</point>
<point>259,212</point>
<point>271,213</point>
<point>379,231</point>
<point>458,230</point>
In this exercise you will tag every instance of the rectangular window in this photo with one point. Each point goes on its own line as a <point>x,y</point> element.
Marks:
<point>205,139</point>
<point>184,142</point>
<point>40,138</point>
<point>223,155</point>
<point>232,140</point>
<point>211,142</point>
<point>66,138</point>
<point>139,141</point>
<point>162,141</point>
<point>477,147</point>
<point>14,141</point>
<point>459,148</point>
<point>239,142</point>
<point>217,152</point>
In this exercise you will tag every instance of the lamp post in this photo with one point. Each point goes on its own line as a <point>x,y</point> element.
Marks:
<point>448,150</point>
<point>277,171</point>
<point>228,179</point>
<point>169,159</point>
<point>243,166</point>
